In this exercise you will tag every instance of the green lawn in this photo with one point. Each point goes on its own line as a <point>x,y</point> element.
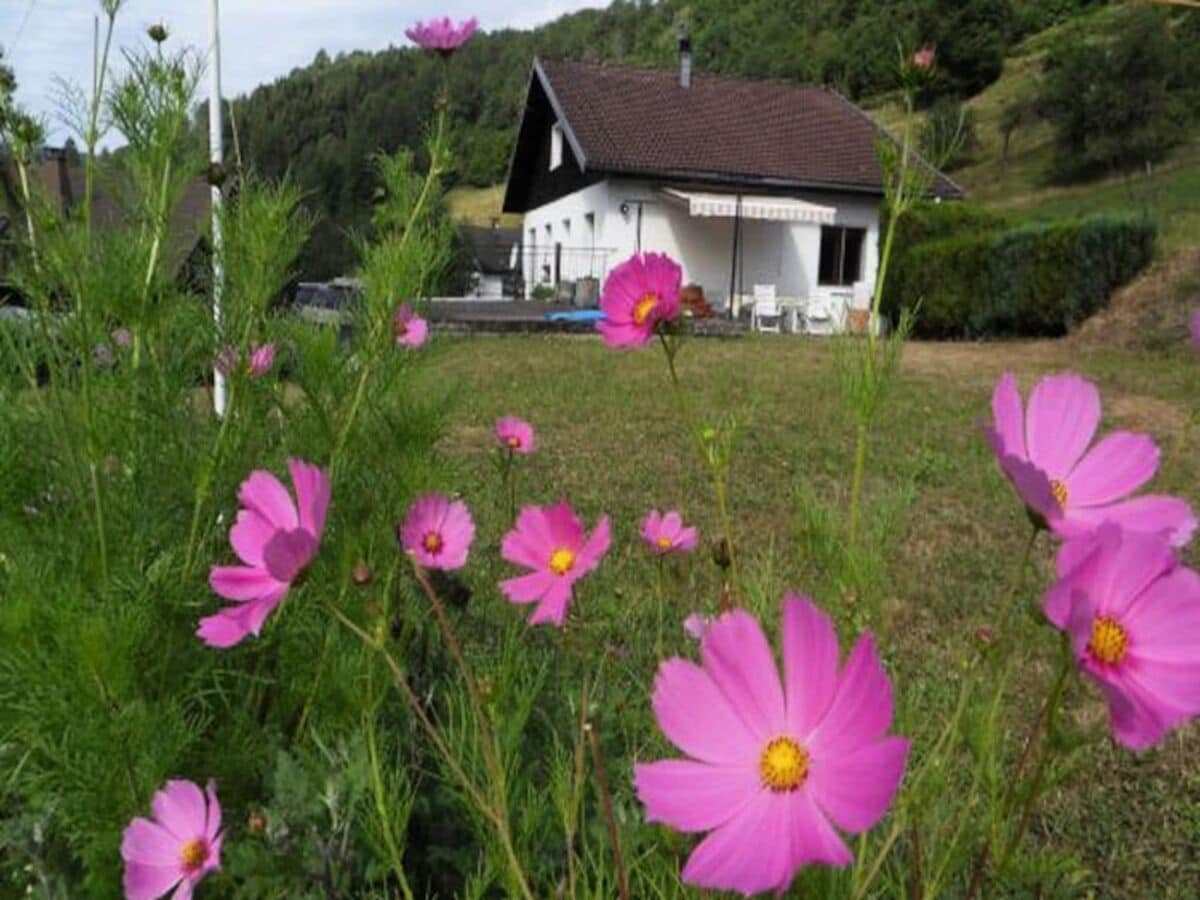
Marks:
<point>611,441</point>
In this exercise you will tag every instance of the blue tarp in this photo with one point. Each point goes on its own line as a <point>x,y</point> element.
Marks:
<point>576,315</point>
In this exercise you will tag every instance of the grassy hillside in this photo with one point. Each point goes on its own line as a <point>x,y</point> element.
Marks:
<point>480,206</point>
<point>1170,191</point>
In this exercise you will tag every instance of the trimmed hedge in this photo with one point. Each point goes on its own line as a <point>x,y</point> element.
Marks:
<point>1036,279</point>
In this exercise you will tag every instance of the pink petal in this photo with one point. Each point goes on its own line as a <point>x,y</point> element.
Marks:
<point>1114,468</point>
<point>563,526</point>
<point>149,843</point>
<point>814,840</point>
<point>241,582</point>
<point>235,623</point>
<point>249,535</point>
<point>1149,514</point>
<point>287,553</point>
<point>749,853</point>
<point>861,710</point>
<point>528,588</point>
<point>855,789</point>
<point>553,608</point>
<point>1063,413</point>
<point>810,660</point>
<point>1164,623</point>
<point>213,822</point>
<point>694,796</point>
<point>184,891</point>
<point>1033,487</point>
<point>739,659</point>
<point>1138,720</point>
<point>1126,564</point>
<point>1008,418</point>
<point>672,523</point>
<point>143,882</point>
<point>652,527</point>
<point>266,495</point>
<point>596,546</point>
<point>688,538</point>
<point>698,719</point>
<point>313,491</point>
<point>180,809</point>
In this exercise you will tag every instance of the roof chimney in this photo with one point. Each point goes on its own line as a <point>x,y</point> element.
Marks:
<point>685,58</point>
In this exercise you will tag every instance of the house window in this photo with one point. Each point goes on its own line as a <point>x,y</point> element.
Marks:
<point>841,255</point>
<point>566,227</point>
<point>556,146</point>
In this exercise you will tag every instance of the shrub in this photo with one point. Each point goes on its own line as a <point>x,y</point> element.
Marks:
<point>1036,279</point>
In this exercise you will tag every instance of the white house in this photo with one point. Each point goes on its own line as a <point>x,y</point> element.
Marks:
<point>744,182</point>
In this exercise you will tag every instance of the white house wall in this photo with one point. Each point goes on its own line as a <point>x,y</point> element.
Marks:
<point>785,254</point>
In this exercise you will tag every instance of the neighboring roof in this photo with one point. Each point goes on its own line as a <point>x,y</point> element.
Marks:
<point>718,130</point>
<point>492,248</point>
<point>58,178</point>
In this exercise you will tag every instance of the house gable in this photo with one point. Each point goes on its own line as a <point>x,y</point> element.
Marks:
<point>532,181</point>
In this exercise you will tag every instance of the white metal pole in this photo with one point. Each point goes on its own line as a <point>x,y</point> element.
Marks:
<point>216,142</point>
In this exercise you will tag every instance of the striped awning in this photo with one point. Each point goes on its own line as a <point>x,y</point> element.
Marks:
<point>750,206</point>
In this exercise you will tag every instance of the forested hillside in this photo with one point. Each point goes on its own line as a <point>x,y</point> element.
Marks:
<point>322,123</point>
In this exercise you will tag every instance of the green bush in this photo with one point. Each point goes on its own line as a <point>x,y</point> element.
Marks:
<point>1035,279</point>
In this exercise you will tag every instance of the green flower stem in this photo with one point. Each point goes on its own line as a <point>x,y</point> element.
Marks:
<point>1047,720</point>
<point>662,602</point>
<point>716,469</point>
<point>204,483</point>
<point>498,818</point>
<point>431,178</point>
<point>1018,582</point>
<point>92,138</point>
<point>381,809</point>
<point>610,819</point>
<point>899,203</point>
<point>510,476</point>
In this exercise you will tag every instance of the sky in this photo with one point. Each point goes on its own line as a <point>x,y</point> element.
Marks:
<point>261,39</point>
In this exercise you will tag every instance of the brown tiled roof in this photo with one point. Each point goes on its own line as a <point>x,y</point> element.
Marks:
<point>641,121</point>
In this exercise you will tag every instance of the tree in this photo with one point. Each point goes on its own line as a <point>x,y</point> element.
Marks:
<point>1115,101</point>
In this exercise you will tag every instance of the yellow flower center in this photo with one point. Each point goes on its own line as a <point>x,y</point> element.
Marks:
<point>1110,642</point>
<point>433,542</point>
<point>193,854</point>
<point>664,543</point>
<point>644,307</point>
<point>562,561</point>
<point>512,442</point>
<point>1060,493</point>
<point>784,765</point>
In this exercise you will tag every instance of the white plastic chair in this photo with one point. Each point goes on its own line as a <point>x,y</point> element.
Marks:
<point>767,315</point>
<point>819,316</point>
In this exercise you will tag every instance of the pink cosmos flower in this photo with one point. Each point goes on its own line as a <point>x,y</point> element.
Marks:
<point>639,293</point>
<point>516,435</point>
<point>262,357</point>
<point>773,768</point>
<point>695,625</point>
<point>438,532</point>
<point>925,58</point>
<point>276,539</point>
<point>442,35</point>
<point>1133,616</point>
<point>179,846</point>
<point>551,541</point>
<point>666,534</point>
<point>1043,450</point>
<point>411,330</point>
<point>1194,328</point>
